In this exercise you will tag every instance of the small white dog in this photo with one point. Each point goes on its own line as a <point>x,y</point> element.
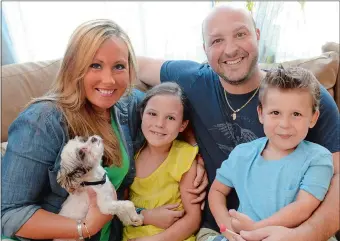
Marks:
<point>79,169</point>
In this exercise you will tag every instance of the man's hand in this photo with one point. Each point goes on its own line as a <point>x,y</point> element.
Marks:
<point>163,216</point>
<point>200,182</point>
<point>270,233</point>
<point>240,221</point>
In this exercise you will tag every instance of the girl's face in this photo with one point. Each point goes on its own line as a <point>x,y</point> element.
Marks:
<point>108,76</point>
<point>162,120</point>
<point>286,116</point>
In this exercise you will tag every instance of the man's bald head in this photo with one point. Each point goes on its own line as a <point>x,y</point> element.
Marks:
<point>216,12</point>
<point>230,42</point>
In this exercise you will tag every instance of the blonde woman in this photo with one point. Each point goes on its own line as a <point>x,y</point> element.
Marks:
<point>90,96</point>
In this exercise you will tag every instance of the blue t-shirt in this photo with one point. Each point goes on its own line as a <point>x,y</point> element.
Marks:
<point>217,134</point>
<point>266,186</point>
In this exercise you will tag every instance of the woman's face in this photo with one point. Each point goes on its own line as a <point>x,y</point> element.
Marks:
<point>108,75</point>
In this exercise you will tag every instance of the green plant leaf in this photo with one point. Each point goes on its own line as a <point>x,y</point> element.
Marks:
<point>250,5</point>
<point>302,3</point>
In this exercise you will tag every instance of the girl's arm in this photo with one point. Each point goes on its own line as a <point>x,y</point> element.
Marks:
<point>190,222</point>
<point>217,202</point>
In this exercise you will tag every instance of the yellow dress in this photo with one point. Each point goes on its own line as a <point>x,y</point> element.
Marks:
<point>161,187</point>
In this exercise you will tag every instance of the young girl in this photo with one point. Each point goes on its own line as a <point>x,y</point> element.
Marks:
<point>280,179</point>
<point>165,167</point>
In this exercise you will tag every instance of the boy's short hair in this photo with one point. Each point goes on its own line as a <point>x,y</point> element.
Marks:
<point>291,78</point>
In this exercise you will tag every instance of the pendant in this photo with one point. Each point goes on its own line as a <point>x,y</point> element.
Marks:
<point>234,115</point>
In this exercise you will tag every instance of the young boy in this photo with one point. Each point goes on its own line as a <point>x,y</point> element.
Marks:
<point>280,179</point>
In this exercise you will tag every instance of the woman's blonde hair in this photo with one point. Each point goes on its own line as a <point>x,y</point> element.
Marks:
<point>68,88</point>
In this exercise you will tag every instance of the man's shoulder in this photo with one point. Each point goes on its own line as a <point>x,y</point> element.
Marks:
<point>326,130</point>
<point>188,70</point>
<point>326,100</point>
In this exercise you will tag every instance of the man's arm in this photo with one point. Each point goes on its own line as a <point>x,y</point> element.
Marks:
<point>149,70</point>
<point>325,221</point>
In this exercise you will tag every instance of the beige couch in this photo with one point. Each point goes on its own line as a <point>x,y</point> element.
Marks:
<point>21,82</point>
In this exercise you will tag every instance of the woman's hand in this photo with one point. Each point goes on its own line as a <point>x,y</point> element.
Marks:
<point>163,216</point>
<point>94,219</point>
<point>200,182</point>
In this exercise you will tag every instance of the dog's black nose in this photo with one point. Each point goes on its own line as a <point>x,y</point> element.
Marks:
<point>94,139</point>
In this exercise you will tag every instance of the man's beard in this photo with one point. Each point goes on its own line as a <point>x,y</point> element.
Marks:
<point>244,78</point>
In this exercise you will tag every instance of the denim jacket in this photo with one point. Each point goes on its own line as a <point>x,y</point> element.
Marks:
<point>32,159</point>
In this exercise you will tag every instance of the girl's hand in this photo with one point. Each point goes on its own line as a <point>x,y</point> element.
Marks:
<point>94,219</point>
<point>240,221</point>
<point>163,216</point>
<point>200,182</point>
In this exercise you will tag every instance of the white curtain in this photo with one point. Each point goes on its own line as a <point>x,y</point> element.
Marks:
<point>295,29</point>
<point>171,30</point>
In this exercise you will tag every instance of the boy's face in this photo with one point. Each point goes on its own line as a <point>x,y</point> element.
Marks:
<point>162,120</point>
<point>286,116</point>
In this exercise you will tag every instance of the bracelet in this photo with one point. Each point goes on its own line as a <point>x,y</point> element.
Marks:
<point>139,210</point>
<point>87,231</point>
<point>80,230</point>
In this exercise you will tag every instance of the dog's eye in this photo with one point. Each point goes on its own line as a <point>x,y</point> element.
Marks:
<point>84,139</point>
<point>94,139</point>
<point>81,154</point>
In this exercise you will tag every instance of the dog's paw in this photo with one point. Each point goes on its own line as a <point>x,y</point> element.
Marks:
<point>128,215</point>
<point>138,220</point>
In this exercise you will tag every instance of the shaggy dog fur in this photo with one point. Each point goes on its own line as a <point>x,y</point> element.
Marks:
<point>80,164</point>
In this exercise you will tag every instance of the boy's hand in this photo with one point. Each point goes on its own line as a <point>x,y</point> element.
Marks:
<point>240,221</point>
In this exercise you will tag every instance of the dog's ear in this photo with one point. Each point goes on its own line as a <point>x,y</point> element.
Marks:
<point>81,154</point>
<point>70,178</point>
<point>66,181</point>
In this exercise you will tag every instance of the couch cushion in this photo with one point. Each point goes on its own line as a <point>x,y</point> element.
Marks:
<point>3,148</point>
<point>325,68</point>
<point>21,82</point>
